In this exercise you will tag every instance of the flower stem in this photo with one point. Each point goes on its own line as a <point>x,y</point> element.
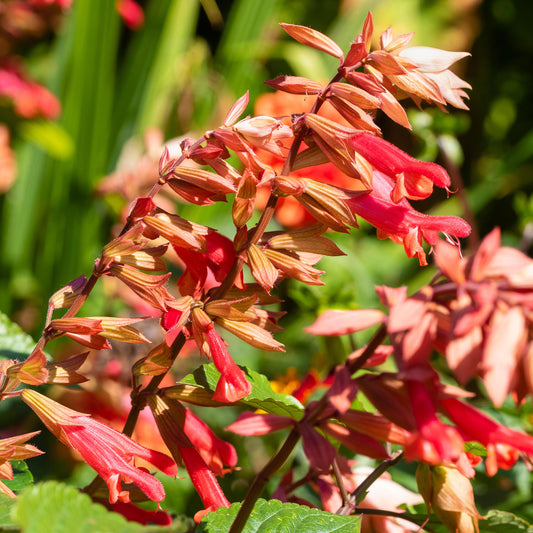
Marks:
<point>262,479</point>
<point>365,485</point>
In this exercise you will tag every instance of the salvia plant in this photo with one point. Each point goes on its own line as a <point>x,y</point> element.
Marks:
<point>473,319</point>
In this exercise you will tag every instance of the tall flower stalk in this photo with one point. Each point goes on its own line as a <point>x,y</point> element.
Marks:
<point>227,283</point>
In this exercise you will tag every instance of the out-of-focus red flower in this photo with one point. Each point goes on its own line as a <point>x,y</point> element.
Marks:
<point>30,100</point>
<point>501,442</point>
<point>414,402</point>
<point>131,12</point>
<point>64,4</point>
<point>478,314</point>
<point>8,165</point>
<point>300,388</point>
<point>106,450</point>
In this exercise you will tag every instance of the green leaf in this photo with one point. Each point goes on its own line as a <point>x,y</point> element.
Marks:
<point>6,523</point>
<point>503,522</point>
<point>14,342</point>
<point>261,397</point>
<point>58,508</point>
<point>22,477</point>
<point>53,507</point>
<point>277,517</point>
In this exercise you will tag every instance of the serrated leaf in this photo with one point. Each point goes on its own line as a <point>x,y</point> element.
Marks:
<point>261,397</point>
<point>503,522</point>
<point>277,517</point>
<point>22,477</point>
<point>14,342</point>
<point>58,508</point>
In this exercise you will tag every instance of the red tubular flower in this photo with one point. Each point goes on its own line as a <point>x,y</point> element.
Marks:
<point>167,413</point>
<point>214,451</point>
<point>206,270</point>
<point>204,482</point>
<point>414,179</point>
<point>501,442</point>
<point>30,100</point>
<point>106,450</point>
<point>435,442</point>
<point>400,222</point>
<point>232,385</point>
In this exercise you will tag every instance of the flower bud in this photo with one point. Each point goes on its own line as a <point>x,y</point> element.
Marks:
<point>449,494</point>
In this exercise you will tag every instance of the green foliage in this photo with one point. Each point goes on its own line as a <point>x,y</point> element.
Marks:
<point>261,397</point>
<point>6,522</point>
<point>503,522</point>
<point>22,477</point>
<point>56,507</point>
<point>277,517</point>
<point>52,506</point>
<point>14,342</point>
<point>494,522</point>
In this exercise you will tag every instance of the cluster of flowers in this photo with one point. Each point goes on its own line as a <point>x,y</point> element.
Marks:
<point>463,316</point>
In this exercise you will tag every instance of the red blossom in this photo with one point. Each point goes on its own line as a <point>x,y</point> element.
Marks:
<point>30,100</point>
<point>414,179</point>
<point>401,222</point>
<point>204,482</point>
<point>204,270</point>
<point>214,451</point>
<point>131,12</point>
<point>167,414</point>
<point>109,452</point>
<point>232,385</point>
<point>502,443</point>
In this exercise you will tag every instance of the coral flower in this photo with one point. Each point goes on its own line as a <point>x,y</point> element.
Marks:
<point>401,222</point>
<point>414,179</point>
<point>167,413</point>
<point>106,450</point>
<point>204,270</point>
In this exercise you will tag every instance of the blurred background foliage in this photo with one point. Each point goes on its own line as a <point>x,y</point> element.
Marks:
<point>125,90</point>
